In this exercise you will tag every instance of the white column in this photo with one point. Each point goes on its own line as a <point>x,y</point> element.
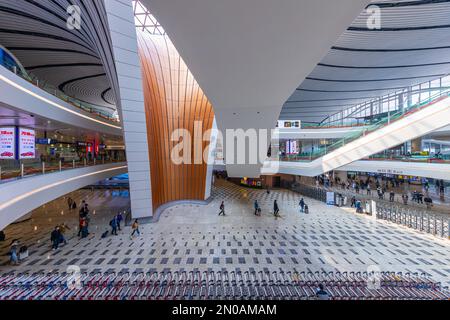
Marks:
<point>131,104</point>
<point>211,158</point>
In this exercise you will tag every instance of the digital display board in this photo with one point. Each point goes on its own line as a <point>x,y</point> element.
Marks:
<point>7,143</point>
<point>291,147</point>
<point>27,141</point>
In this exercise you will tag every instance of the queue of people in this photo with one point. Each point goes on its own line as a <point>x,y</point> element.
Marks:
<point>385,189</point>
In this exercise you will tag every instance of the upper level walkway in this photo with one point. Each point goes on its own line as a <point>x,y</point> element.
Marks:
<point>20,94</point>
<point>20,196</point>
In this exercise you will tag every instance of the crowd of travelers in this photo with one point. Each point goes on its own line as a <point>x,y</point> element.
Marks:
<point>58,236</point>
<point>385,189</point>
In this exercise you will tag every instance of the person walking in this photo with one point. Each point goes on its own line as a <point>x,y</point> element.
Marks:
<point>222,209</point>
<point>135,228</point>
<point>353,202</point>
<point>369,192</point>
<point>276,209</point>
<point>391,196</point>
<point>62,230</point>
<point>55,237</point>
<point>13,258</point>
<point>119,220</point>
<point>428,201</point>
<point>302,205</point>
<point>113,224</point>
<point>405,198</point>
<point>69,203</point>
<point>256,206</point>
<point>83,228</point>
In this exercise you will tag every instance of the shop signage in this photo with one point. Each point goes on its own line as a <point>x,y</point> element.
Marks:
<point>27,143</point>
<point>7,143</point>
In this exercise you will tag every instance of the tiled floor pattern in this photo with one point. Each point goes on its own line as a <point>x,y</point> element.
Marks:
<point>193,237</point>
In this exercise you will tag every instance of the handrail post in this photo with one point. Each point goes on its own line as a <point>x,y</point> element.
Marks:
<point>43,167</point>
<point>21,170</point>
<point>84,160</point>
<point>73,163</point>
<point>95,160</point>
<point>0,173</point>
<point>60,165</point>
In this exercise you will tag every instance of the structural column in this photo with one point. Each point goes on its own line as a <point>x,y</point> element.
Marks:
<point>179,119</point>
<point>130,103</point>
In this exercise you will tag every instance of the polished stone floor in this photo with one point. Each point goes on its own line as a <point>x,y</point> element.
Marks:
<point>192,236</point>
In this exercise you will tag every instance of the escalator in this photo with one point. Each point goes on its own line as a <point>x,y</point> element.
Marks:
<point>392,130</point>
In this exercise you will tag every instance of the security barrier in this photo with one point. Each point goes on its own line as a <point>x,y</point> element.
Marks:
<point>409,216</point>
<point>435,224</point>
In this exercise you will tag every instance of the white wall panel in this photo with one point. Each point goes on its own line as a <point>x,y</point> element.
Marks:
<point>123,37</point>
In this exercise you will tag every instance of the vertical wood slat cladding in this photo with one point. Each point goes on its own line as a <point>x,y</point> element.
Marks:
<point>173,100</point>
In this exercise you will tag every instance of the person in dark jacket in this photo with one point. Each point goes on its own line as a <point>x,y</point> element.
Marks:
<point>428,201</point>
<point>222,209</point>
<point>113,224</point>
<point>256,206</point>
<point>302,205</point>
<point>321,294</point>
<point>55,238</point>
<point>119,220</point>
<point>69,203</point>
<point>276,209</point>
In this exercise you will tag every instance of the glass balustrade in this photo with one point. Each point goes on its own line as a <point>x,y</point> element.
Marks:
<point>364,130</point>
<point>11,170</point>
<point>91,108</point>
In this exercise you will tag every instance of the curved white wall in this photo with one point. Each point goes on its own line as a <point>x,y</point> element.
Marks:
<point>22,95</point>
<point>17,198</point>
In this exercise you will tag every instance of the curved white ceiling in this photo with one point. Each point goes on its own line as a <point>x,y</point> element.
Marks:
<point>71,60</point>
<point>412,46</point>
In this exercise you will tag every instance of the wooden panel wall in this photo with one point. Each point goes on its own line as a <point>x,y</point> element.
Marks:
<point>173,100</point>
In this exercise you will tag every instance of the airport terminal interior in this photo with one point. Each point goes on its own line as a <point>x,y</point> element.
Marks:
<point>224,150</point>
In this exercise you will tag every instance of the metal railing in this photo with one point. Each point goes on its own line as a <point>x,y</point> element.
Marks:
<point>437,224</point>
<point>11,170</point>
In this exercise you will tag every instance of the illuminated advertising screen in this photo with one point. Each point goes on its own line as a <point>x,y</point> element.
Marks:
<point>291,147</point>
<point>7,143</point>
<point>27,140</point>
